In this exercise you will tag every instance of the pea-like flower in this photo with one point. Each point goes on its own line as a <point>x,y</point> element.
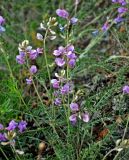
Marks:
<point>1,126</point>
<point>126,89</point>
<point>85,117</point>
<point>2,20</point>
<point>73,20</point>
<point>39,36</point>
<point>122,10</point>
<point>72,63</point>
<point>55,83</point>
<point>74,107</point>
<point>70,48</point>
<point>22,126</point>
<point>2,137</point>
<point>39,50</point>
<point>33,54</point>
<point>57,101</point>
<point>122,2</point>
<point>65,89</point>
<point>33,69</point>
<point>20,59</point>
<point>118,19</point>
<point>59,52</point>
<point>62,13</point>
<point>60,62</point>
<point>73,119</point>
<point>28,81</point>
<point>12,125</point>
<point>71,55</point>
<point>105,27</point>
<point>114,1</point>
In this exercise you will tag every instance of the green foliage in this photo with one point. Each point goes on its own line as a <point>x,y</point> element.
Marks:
<point>98,76</point>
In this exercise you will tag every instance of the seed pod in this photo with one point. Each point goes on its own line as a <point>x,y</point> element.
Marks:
<point>42,147</point>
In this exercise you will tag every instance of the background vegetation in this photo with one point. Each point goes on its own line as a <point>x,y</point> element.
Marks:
<point>99,76</point>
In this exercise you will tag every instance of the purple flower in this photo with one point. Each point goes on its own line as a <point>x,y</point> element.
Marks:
<point>122,2</point>
<point>12,125</point>
<point>105,27</point>
<point>71,55</point>
<point>33,69</point>
<point>33,54</point>
<point>73,119</point>
<point>118,19</point>
<point>39,36</point>
<point>20,59</point>
<point>70,48</point>
<point>115,1</point>
<point>1,126</point>
<point>57,101</point>
<point>59,52</point>
<point>60,62</point>
<point>122,10</point>
<point>62,13</point>
<point>2,137</point>
<point>74,107</point>
<point>29,81</point>
<point>56,53</point>
<point>22,54</point>
<point>39,50</point>
<point>85,117</point>
<point>2,20</point>
<point>65,89</point>
<point>126,89</point>
<point>55,83</point>
<point>61,49</point>
<point>72,63</point>
<point>22,126</point>
<point>73,20</point>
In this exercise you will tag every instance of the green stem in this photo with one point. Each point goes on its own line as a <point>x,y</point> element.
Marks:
<point>45,55</point>
<point>114,149</point>
<point>67,76</point>
<point>117,155</point>
<point>4,153</point>
<point>125,129</point>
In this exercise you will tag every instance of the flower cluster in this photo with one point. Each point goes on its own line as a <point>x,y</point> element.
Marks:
<point>122,2</point>
<point>2,22</point>
<point>65,55</point>
<point>61,87</point>
<point>119,18</point>
<point>121,10</point>
<point>76,113</point>
<point>11,127</point>
<point>26,54</point>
